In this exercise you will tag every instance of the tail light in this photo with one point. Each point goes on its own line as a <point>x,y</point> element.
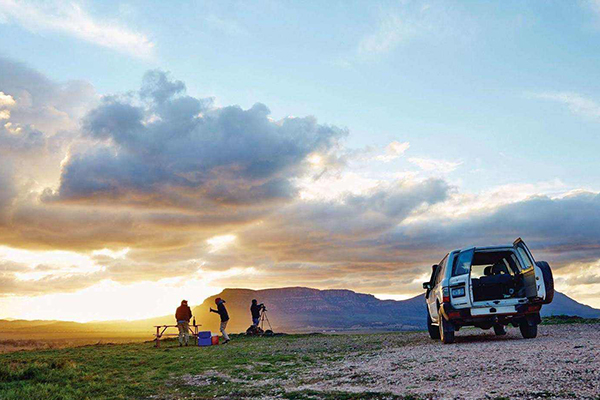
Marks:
<point>445,294</point>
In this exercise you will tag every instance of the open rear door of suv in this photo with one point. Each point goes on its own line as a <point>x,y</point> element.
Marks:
<point>532,274</point>
<point>460,280</point>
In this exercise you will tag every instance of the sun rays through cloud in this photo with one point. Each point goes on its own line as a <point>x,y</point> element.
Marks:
<point>150,154</point>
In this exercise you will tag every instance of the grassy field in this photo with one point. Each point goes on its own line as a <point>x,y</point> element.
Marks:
<point>568,319</point>
<point>404,365</point>
<point>244,368</point>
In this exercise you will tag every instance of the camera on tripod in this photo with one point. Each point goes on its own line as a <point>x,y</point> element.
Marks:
<point>259,319</point>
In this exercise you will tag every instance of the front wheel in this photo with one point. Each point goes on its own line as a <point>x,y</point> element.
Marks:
<point>446,331</point>
<point>434,332</point>
<point>528,329</point>
<point>499,330</point>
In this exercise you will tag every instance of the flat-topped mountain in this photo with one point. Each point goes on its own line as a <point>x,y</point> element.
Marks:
<point>299,309</point>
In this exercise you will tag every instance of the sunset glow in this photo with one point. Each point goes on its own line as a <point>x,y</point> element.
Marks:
<point>149,154</point>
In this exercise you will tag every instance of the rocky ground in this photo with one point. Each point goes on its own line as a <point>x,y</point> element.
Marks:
<point>562,362</point>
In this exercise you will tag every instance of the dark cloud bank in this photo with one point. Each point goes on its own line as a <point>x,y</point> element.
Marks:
<point>160,171</point>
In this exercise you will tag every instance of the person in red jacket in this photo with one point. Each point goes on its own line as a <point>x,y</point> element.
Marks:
<point>183,316</point>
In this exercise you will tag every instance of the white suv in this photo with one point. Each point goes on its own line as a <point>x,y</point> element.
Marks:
<point>487,287</point>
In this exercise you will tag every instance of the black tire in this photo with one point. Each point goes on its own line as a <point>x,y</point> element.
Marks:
<point>434,332</point>
<point>446,330</point>
<point>528,329</point>
<point>548,280</point>
<point>499,330</point>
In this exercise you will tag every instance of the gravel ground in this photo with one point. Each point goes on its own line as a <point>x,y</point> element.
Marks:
<point>563,362</point>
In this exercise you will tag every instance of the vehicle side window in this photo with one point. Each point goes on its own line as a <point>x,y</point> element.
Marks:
<point>434,276</point>
<point>462,263</point>
<point>525,258</point>
<point>441,270</point>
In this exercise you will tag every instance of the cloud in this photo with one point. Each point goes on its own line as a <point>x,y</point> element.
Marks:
<point>35,101</point>
<point>343,230</point>
<point>41,123</point>
<point>563,229</point>
<point>593,5</point>
<point>27,279</point>
<point>8,191</point>
<point>228,27</point>
<point>15,138</point>
<point>435,165</point>
<point>411,21</point>
<point>157,184</point>
<point>393,150</point>
<point>391,31</point>
<point>576,103</point>
<point>6,100</point>
<point>70,18</point>
<point>178,151</point>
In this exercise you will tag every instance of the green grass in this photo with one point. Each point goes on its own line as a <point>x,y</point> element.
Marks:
<point>568,319</point>
<point>244,368</point>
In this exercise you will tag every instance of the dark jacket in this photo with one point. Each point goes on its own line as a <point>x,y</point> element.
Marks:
<point>255,310</point>
<point>183,313</point>
<point>222,311</point>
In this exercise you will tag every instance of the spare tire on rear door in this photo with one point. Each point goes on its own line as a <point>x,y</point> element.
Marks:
<point>548,280</point>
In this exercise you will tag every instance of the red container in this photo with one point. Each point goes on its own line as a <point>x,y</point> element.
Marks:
<point>215,340</point>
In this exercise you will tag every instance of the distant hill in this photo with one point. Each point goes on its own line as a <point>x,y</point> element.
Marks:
<point>294,309</point>
<point>301,309</point>
<point>564,305</point>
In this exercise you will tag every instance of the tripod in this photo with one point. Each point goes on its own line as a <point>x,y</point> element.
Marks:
<point>263,318</point>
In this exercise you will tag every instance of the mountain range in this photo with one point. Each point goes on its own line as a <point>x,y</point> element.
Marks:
<point>293,309</point>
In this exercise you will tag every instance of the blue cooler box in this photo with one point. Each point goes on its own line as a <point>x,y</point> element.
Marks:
<point>204,338</point>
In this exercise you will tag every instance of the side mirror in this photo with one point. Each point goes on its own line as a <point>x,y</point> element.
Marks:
<point>434,267</point>
<point>426,285</point>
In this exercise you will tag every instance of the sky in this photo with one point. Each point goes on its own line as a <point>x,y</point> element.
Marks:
<point>151,152</point>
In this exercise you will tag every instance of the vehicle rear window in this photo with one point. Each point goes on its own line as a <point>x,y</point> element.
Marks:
<point>462,263</point>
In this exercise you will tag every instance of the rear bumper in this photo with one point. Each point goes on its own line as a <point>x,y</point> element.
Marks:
<point>471,316</point>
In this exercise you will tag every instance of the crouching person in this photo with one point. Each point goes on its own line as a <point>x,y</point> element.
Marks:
<point>222,311</point>
<point>183,316</point>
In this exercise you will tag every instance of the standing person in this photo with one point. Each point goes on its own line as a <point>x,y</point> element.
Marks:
<point>255,310</point>
<point>222,311</point>
<point>183,316</point>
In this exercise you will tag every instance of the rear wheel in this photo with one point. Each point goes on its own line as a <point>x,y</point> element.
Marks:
<point>434,332</point>
<point>528,329</point>
<point>446,330</point>
<point>548,280</point>
<point>499,330</point>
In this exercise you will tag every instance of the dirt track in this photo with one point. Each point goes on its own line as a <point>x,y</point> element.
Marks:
<point>562,362</point>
